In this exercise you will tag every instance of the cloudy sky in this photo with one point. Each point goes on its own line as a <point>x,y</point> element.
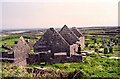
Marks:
<point>56,13</point>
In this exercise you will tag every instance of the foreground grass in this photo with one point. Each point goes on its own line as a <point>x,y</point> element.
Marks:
<point>92,65</point>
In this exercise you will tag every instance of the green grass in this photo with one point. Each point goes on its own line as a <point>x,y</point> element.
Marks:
<point>9,42</point>
<point>8,70</point>
<point>94,66</point>
<point>92,31</point>
<point>2,50</point>
<point>10,38</point>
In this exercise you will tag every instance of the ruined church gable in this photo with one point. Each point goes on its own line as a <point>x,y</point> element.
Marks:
<point>21,49</point>
<point>68,35</point>
<point>75,30</point>
<point>53,40</point>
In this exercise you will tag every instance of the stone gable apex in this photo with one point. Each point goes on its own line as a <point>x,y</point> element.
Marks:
<point>78,33</point>
<point>68,35</point>
<point>22,41</point>
<point>21,49</point>
<point>52,40</point>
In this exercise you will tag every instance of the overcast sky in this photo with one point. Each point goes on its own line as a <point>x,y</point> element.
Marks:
<point>56,13</point>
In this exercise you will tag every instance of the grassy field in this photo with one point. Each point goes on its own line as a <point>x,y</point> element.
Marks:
<point>9,42</point>
<point>93,65</point>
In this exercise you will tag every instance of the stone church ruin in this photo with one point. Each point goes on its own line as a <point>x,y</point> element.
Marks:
<point>53,47</point>
<point>18,54</point>
<point>60,46</point>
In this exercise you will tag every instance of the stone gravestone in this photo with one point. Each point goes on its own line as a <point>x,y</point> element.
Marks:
<point>110,49</point>
<point>95,41</point>
<point>116,42</point>
<point>96,50</point>
<point>103,42</point>
<point>105,50</point>
<point>111,39</point>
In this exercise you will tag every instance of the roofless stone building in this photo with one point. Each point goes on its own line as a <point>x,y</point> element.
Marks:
<point>51,41</point>
<point>21,51</point>
<point>64,41</point>
<point>52,47</point>
<point>18,54</point>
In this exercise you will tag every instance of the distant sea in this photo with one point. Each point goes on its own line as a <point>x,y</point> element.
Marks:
<point>17,29</point>
<point>28,29</point>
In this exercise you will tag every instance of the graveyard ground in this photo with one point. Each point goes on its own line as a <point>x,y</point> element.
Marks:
<point>95,64</point>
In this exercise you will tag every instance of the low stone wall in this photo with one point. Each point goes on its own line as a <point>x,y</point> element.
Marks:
<point>76,58</point>
<point>7,55</point>
<point>33,59</point>
<point>59,58</point>
<point>42,57</point>
<point>65,59</point>
<point>10,60</point>
<point>4,54</point>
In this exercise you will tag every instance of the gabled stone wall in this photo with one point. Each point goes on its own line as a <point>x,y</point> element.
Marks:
<point>68,35</point>
<point>52,41</point>
<point>18,54</point>
<point>80,36</point>
<point>21,49</point>
<point>65,41</point>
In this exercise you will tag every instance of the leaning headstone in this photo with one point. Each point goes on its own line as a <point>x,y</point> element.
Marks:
<point>116,41</point>
<point>95,41</point>
<point>103,42</point>
<point>105,50</point>
<point>109,42</point>
<point>110,49</point>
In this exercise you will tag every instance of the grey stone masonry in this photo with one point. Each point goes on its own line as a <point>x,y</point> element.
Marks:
<point>80,36</point>
<point>77,32</point>
<point>21,51</point>
<point>52,41</point>
<point>68,35</point>
<point>18,54</point>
